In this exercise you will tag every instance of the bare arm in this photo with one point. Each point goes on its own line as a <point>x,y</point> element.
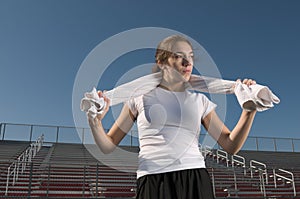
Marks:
<point>230,141</point>
<point>108,142</point>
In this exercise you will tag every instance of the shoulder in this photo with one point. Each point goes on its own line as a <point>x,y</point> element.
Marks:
<point>135,101</point>
<point>204,101</point>
<point>198,96</point>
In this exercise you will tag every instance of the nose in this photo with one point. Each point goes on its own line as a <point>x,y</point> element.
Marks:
<point>186,62</point>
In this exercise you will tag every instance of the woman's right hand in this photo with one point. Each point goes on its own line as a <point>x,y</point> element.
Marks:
<point>107,104</point>
<point>99,117</point>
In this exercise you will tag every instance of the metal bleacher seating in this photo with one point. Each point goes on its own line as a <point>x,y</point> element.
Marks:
<point>285,160</point>
<point>257,177</point>
<point>70,171</point>
<point>9,151</point>
<point>62,170</point>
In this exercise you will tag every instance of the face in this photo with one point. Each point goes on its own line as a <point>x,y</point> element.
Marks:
<point>182,60</point>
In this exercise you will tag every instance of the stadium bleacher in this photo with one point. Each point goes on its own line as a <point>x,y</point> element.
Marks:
<point>236,181</point>
<point>68,170</point>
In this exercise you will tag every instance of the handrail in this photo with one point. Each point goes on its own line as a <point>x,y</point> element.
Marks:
<point>262,182</point>
<point>291,180</point>
<point>260,166</point>
<point>238,160</point>
<point>222,154</point>
<point>262,169</point>
<point>22,160</point>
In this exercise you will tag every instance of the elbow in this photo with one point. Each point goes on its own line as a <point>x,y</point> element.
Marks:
<point>107,150</point>
<point>232,146</point>
<point>105,146</point>
<point>232,150</point>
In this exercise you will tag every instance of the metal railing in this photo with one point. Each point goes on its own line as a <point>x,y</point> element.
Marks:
<point>237,160</point>
<point>92,180</point>
<point>256,166</point>
<point>91,176</point>
<point>222,155</point>
<point>69,134</point>
<point>20,164</point>
<point>43,175</point>
<point>205,150</point>
<point>280,174</point>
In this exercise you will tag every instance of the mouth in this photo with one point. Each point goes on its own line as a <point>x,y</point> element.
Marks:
<point>187,71</point>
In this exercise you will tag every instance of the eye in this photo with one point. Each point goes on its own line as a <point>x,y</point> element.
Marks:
<point>177,56</point>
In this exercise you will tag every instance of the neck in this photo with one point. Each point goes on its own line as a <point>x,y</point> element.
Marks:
<point>174,86</point>
<point>172,80</point>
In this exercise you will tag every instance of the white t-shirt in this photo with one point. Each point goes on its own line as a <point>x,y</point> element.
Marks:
<point>169,125</point>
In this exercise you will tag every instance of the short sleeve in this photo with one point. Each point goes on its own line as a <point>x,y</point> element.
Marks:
<point>132,106</point>
<point>208,106</point>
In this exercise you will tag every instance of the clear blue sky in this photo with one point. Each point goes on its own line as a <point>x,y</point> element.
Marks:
<point>43,44</point>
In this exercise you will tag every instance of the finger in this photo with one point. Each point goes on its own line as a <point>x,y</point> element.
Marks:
<point>100,94</point>
<point>249,82</point>
<point>89,115</point>
<point>252,82</point>
<point>91,119</point>
<point>107,100</point>
<point>245,81</point>
<point>99,117</point>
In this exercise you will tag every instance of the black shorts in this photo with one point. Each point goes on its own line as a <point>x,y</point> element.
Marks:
<point>184,184</point>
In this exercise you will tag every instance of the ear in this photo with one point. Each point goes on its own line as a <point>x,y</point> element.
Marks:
<point>159,64</point>
<point>156,68</point>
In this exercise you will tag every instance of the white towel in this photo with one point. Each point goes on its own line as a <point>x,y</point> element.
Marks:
<point>250,98</point>
<point>255,96</point>
<point>92,103</point>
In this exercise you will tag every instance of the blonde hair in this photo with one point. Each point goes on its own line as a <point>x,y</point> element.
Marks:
<point>164,49</point>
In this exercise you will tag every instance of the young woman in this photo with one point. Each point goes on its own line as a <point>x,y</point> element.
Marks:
<point>169,119</point>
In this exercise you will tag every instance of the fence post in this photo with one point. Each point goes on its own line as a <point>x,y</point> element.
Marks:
<point>4,126</point>
<point>82,140</point>
<point>57,132</point>
<point>0,129</point>
<point>31,129</point>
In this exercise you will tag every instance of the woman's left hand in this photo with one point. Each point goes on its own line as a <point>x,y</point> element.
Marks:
<point>248,82</point>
